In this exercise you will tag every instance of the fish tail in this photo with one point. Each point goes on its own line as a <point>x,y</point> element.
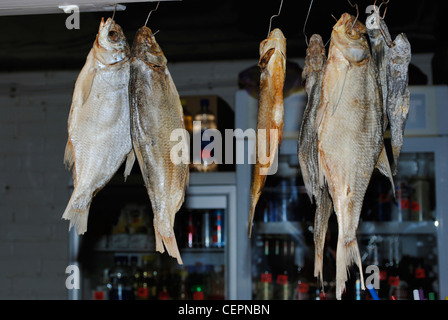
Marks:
<point>77,211</point>
<point>130,159</point>
<point>323,212</point>
<point>384,167</point>
<point>346,255</point>
<point>168,242</point>
<point>251,217</point>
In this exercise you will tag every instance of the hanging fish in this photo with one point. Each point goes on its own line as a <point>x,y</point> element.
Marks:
<point>398,95</point>
<point>392,59</point>
<point>315,62</point>
<point>99,138</point>
<point>380,41</point>
<point>270,112</point>
<point>156,112</point>
<point>350,135</point>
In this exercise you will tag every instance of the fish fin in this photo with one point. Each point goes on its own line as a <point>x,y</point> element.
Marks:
<point>69,158</point>
<point>265,58</point>
<point>324,207</point>
<point>77,211</point>
<point>339,89</point>
<point>253,206</point>
<point>257,184</point>
<point>383,166</point>
<point>346,255</point>
<point>170,244</point>
<point>130,159</point>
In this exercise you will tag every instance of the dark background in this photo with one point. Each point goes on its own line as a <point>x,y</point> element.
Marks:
<point>198,30</point>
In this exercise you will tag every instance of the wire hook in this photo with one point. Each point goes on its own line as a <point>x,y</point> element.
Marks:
<point>357,13</point>
<point>385,9</point>
<point>155,9</point>
<point>115,9</point>
<point>376,9</point>
<point>306,20</point>
<point>275,15</point>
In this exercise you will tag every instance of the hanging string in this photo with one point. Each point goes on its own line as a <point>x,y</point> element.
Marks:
<point>357,14</point>
<point>157,6</point>
<point>275,15</point>
<point>306,20</point>
<point>115,9</point>
<point>376,9</point>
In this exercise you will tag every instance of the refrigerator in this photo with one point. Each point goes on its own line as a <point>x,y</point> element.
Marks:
<point>402,239</point>
<point>116,257</point>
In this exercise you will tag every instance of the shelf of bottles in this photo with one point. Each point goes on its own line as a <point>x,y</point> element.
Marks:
<point>397,234</point>
<point>126,265</point>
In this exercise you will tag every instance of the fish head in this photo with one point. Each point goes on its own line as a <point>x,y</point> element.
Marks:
<point>316,52</point>
<point>145,47</point>
<point>111,45</point>
<point>348,36</point>
<point>275,41</point>
<point>315,57</point>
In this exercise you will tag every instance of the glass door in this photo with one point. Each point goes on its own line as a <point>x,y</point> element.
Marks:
<point>117,255</point>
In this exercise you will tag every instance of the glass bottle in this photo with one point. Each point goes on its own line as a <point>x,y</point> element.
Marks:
<point>183,292</point>
<point>282,283</point>
<point>148,285</point>
<point>217,283</point>
<point>120,284</point>
<point>265,287</point>
<point>302,287</point>
<point>420,186</point>
<point>203,120</point>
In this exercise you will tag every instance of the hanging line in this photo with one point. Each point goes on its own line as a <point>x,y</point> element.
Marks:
<point>357,14</point>
<point>113,21</point>
<point>115,9</point>
<point>157,6</point>
<point>275,15</point>
<point>306,20</point>
<point>376,9</point>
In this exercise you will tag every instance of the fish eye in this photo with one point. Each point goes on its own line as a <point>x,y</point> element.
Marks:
<point>113,35</point>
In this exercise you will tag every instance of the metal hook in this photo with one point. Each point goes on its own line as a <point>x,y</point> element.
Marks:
<point>275,15</point>
<point>306,20</point>
<point>388,41</point>
<point>115,9</point>
<point>385,10</point>
<point>158,2</point>
<point>357,14</point>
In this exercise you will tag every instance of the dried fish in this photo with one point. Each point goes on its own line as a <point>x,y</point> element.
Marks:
<point>315,62</point>
<point>270,111</point>
<point>380,41</point>
<point>350,135</point>
<point>156,112</point>
<point>392,60</point>
<point>99,136</point>
<point>398,95</point>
